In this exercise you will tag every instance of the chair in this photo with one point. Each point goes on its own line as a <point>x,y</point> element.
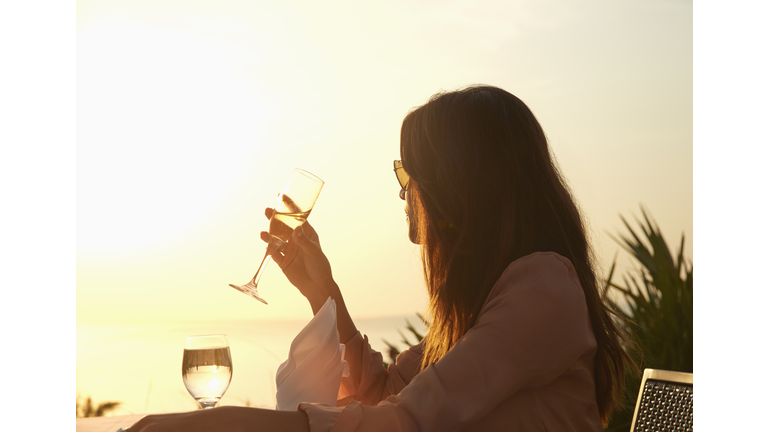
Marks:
<point>665,402</point>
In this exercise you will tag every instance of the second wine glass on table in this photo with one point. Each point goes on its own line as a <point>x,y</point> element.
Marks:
<point>293,206</point>
<point>207,368</point>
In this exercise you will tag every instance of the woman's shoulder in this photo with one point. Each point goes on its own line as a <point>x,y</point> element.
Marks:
<point>540,273</point>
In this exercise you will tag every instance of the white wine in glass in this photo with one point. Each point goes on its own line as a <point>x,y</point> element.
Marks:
<point>293,206</point>
<point>206,368</point>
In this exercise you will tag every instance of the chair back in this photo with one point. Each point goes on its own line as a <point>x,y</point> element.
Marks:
<point>665,402</point>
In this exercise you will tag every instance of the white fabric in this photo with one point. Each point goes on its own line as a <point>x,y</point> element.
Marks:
<point>315,363</point>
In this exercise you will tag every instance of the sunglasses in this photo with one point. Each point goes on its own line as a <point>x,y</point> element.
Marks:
<point>402,177</point>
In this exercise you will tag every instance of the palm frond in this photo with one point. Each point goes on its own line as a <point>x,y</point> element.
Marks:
<point>657,302</point>
<point>394,350</point>
<point>87,409</point>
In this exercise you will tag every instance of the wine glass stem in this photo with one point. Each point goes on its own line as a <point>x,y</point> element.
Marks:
<point>207,404</point>
<point>257,276</point>
<point>273,247</point>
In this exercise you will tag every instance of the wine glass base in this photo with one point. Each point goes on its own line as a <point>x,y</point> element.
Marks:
<point>208,402</point>
<point>249,292</point>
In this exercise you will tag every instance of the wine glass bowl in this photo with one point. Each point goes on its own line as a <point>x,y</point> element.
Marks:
<point>206,368</point>
<point>294,204</point>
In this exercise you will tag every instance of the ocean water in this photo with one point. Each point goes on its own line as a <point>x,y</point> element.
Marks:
<point>140,365</point>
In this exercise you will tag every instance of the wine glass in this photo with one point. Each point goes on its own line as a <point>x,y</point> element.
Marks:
<point>293,206</point>
<point>207,368</point>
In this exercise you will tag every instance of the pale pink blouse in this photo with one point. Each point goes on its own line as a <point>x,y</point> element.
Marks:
<point>527,365</point>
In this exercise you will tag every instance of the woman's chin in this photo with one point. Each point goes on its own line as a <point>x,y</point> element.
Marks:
<point>413,236</point>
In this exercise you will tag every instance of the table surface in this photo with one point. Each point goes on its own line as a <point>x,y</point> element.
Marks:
<point>106,424</point>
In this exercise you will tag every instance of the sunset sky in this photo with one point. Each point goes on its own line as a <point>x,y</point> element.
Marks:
<point>192,115</point>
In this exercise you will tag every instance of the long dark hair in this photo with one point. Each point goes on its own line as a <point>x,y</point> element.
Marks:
<point>484,192</point>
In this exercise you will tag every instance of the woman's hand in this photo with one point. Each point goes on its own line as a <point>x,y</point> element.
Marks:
<point>305,265</point>
<point>307,268</point>
<point>228,418</point>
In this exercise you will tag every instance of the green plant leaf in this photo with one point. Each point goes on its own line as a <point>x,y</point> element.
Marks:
<point>657,302</point>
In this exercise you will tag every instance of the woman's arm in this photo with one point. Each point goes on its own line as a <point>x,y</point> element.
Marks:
<point>368,381</point>
<point>225,419</point>
<point>308,269</point>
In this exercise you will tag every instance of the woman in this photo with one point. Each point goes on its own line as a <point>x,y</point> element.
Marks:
<point>519,337</point>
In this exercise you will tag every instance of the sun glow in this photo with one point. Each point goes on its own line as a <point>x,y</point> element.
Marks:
<point>214,383</point>
<point>156,149</point>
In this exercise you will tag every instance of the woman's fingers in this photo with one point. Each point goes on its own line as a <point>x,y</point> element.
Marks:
<point>288,252</point>
<point>307,229</point>
<point>308,244</point>
<point>310,232</point>
<point>290,204</point>
<point>278,258</point>
<point>299,243</point>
